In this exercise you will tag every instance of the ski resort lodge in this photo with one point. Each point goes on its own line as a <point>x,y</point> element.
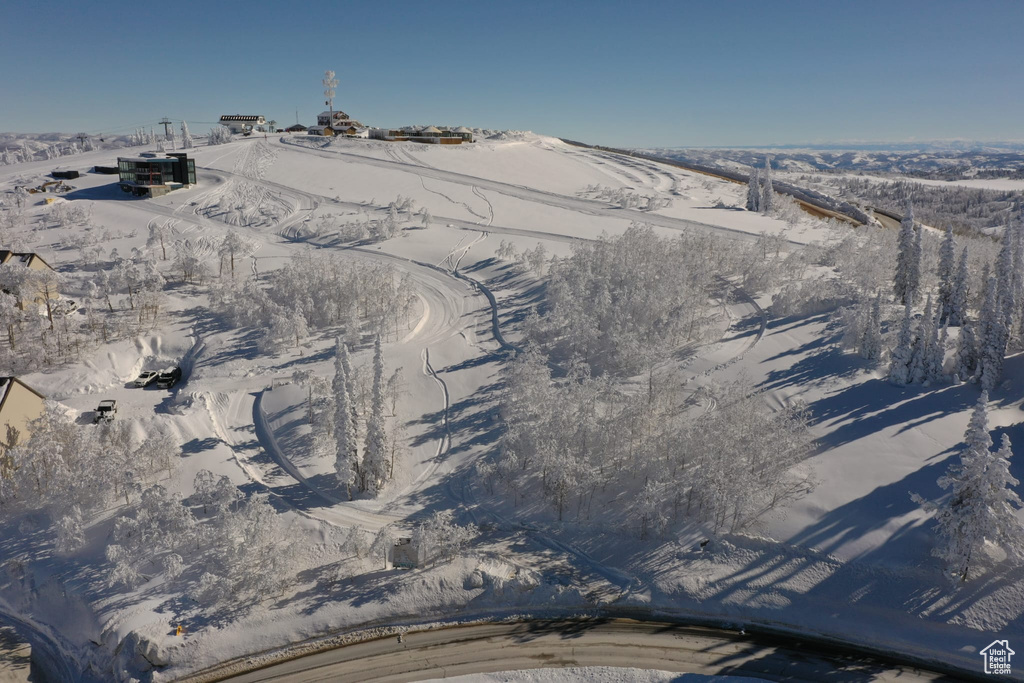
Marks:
<point>19,405</point>
<point>242,123</point>
<point>154,175</point>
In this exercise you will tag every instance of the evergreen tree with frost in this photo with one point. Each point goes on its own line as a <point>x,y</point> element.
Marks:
<point>946,272</point>
<point>754,191</point>
<point>767,190</point>
<point>966,364</point>
<point>991,338</point>
<point>186,137</point>
<point>907,278</point>
<point>934,348</point>
<point>982,505</point>
<point>902,355</point>
<point>375,452</point>
<point>917,371</point>
<point>871,338</point>
<point>344,434</point>
<point>1007,272</point>
<point>960,294</point>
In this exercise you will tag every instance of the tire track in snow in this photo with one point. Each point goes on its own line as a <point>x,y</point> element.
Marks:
<point>445,443</point>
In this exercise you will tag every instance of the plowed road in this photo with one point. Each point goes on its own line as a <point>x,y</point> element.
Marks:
<point>619,643</point>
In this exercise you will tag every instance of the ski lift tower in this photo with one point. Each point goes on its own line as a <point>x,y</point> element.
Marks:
<point>330,83</point>
<point>167,123</point>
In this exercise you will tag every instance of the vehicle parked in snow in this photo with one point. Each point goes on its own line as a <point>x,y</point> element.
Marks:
<point>106,411</point>
<point>168,378</point>
<point>146,377</point>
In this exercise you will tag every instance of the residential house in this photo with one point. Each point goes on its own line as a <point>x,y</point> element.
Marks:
<point>19,405</point>
<point>32,262</point>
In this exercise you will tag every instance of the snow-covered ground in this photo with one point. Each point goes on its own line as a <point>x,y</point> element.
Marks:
<point>850,560</point>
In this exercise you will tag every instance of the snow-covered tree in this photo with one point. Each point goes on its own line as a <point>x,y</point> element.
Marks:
<point>870,345</point>
<point>992,337</point>
<point>947,274</point>
<point>907,279</point>
<point>375,452</point>
<point>966,363</point>
<point>982,505</point>
<point>960,294</point>
<point>902,354</point>
<point>186,137</point>
<point>345,458</point>
<point>218,135</point>
<point>236,246</point>
<point>754,201</point>
<point>767,190</point>
<point>70,536</point>
<point>440,538</point>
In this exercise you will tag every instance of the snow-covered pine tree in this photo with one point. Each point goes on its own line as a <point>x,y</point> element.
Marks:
<point>920,351</point>
<point>902,354</point>
<point>344,435</point>
<point>904,281</point>
<point>917,256</point>
<point>375,452</point>
<point>946,272</point>
<point>934,349</point>
<point>767,191</point>
<point>991,338</point>
<point>754,191</point>
<point>871,338</point>
<point>960,294</point>
<point>982,504</point>
<point>186,137</point>
<point>966,363</point>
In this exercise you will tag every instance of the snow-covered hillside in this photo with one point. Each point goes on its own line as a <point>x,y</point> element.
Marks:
<point>246,281</point>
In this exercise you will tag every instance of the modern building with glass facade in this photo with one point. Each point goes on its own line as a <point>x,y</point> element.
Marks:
<point>153,176</point>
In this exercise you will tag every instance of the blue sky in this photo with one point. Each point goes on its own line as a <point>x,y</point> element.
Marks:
<point>730,72</point>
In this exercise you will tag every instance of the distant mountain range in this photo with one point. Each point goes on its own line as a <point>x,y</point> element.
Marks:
<point>990,161</point>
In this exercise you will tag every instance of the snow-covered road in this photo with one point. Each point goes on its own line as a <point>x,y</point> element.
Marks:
<point>486,648</point>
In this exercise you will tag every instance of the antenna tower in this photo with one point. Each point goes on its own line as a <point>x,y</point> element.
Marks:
<point>330,83</point>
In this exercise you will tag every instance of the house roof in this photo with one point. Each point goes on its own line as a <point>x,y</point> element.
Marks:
<point>297,126</point>
<point>338,114</point>
<point>462,129</point>
<point>431,129</point>
<point>7,383</point>
<point>25,258</point>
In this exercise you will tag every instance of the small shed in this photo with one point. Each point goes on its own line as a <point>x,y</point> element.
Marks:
<point>321,130</point>
<point>297,128</point>
<point>405,554</point>
<point>465,133</point>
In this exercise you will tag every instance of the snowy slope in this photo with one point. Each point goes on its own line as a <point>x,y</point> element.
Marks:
<point>856,537</point>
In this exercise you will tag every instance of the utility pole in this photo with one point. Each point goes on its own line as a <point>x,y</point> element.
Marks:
<point>167,123</point>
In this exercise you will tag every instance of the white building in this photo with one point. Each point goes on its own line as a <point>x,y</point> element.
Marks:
<point>242,123</point>
<point>337,120</point>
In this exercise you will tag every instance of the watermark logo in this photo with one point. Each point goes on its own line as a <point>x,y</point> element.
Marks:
<point>997,657</point>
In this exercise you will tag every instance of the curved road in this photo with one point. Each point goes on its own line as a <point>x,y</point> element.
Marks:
<point>488,648</point>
